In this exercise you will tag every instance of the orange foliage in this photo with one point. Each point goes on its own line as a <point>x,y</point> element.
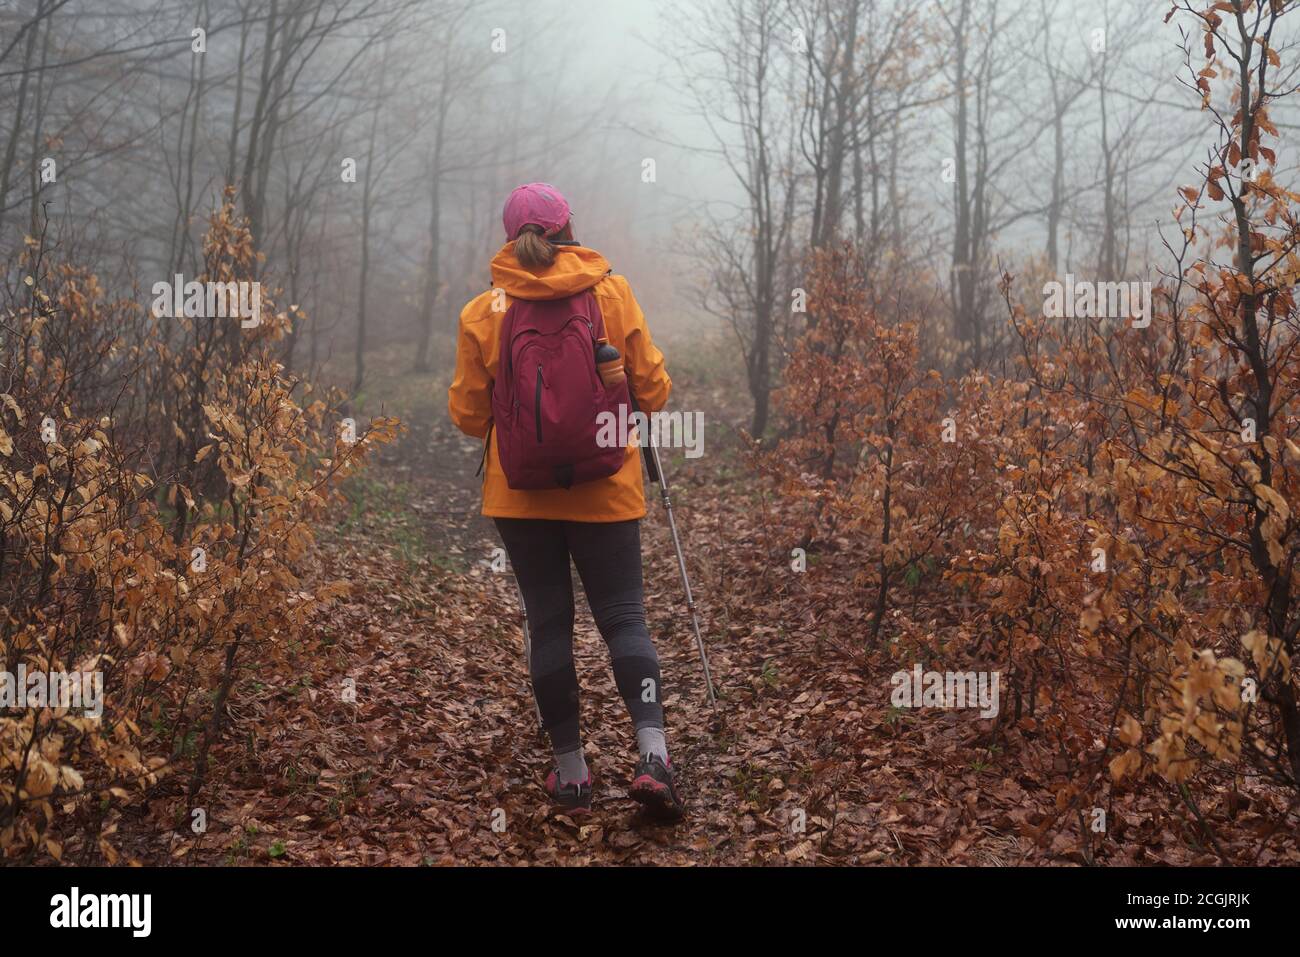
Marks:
<point>1117,516</point>
<point>158,482</point>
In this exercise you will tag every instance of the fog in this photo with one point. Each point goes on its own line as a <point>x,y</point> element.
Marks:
<point>686,136</point>
<point>969,352</point>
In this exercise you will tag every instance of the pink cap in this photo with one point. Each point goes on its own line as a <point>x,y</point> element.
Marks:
<point>535,203</point>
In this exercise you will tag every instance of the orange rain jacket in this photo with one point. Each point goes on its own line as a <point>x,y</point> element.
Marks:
<point>614,499</point>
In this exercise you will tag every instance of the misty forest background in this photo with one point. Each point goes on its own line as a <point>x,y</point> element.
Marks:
<point>1057,152</point>
<point>838,217</point>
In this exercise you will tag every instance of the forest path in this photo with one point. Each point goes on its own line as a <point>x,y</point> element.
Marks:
<point>439,760</point>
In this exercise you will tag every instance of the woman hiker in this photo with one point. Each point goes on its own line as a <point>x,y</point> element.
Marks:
<point>543,359</point>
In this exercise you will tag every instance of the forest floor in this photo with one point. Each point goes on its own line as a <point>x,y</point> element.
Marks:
<point>439,759</point>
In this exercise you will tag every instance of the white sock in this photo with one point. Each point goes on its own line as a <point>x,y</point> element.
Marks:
<point>571,766</point>
<point>652,741</point>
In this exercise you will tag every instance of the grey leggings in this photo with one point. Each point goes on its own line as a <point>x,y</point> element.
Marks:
<point>608,558</point>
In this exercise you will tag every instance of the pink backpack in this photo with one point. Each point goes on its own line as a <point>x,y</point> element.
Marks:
<point>548,394</point>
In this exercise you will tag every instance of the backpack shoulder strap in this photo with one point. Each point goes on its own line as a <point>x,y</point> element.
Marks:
<point>594,312</point>
<point>505,332</point>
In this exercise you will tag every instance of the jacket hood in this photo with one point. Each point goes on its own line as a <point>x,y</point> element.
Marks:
<point>576,268</point>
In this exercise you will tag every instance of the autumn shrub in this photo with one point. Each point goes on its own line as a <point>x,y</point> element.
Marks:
<point>159,480</point>
<point>1198,462</point>
<point>872,449</point>
<point>1113,513</point>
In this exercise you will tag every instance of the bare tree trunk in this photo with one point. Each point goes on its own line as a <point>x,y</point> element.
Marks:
<point>259,117</point>
<point>433,263</point>
<point>963,280</point>
<point>239,102</point>
<point>367,192</point>
<point>37,125</point>
<point>359,362</point>
<point>11,148</point>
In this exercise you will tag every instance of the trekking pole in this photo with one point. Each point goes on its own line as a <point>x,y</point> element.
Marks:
<point>528,651</point>
<point>657,475</point>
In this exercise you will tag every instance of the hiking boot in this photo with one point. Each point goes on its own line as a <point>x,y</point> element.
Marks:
<point>572,798</point>
<point>653,787</point>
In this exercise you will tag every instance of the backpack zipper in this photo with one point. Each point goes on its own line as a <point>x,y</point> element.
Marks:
<point>537,403</point>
